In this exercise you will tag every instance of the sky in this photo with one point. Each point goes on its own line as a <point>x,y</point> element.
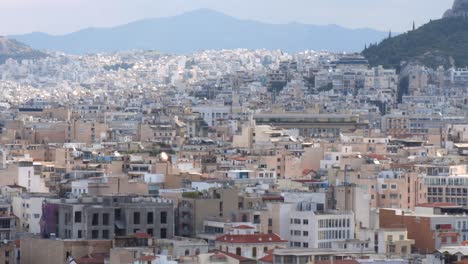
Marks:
<point>65,16</point>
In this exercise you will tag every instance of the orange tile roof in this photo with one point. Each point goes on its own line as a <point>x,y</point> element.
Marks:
<point>243,227</point>
<point>267,258</point>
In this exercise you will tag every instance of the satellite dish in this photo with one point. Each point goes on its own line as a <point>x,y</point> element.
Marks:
<point>163,156</point>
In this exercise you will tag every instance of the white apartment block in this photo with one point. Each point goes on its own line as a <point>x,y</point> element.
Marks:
<point>312,229</point>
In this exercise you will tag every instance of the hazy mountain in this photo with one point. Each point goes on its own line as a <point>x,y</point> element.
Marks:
<point>205,29</point>
<point>12,49</point>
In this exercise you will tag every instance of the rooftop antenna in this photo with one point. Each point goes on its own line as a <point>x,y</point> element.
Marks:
<point>414,25</point>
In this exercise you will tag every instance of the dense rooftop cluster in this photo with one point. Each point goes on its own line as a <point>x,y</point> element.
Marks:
<point>232,156</point>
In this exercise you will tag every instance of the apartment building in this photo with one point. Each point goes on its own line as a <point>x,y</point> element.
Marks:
<point>195,208</point>
<point>106,217</point>
<point>312,228</point>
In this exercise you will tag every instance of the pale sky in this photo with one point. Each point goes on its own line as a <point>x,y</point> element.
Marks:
<point>65,16</point>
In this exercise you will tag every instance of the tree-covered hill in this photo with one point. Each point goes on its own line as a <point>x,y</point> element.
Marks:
<point>440,42</point>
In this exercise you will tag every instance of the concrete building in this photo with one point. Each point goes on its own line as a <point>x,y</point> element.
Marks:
<point>310,228</point>
<point>220,204</point>
<point>28,209</point>
<point>431,226</point>
<point>106,217</point>
<point>313,125</point>
<point>7,222</point>
<point>56,251</point>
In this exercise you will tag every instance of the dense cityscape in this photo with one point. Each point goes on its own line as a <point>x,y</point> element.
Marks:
<point>235,156</point>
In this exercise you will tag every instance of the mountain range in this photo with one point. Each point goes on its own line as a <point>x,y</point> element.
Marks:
<point>201,30</point>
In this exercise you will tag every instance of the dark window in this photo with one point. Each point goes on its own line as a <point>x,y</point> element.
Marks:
<point>150,231</point>
<point>80,234</point>
<point>163,217</point>
<point>77,217</point>
<point>7,253</point>
<point>105,219</point>
<point>163,233</point>
<point>95,219</point>
<point>117,214</point>
<point>136,218</point>
<point>105,234</point>
<point>150,218</point>
<point>270,222</point>
<point>95,234</point>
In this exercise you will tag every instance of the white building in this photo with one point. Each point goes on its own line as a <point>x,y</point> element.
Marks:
<point>27,178</point>
<point>28,209</point>
<point>309,228</point>
<point>80,187</point>
<point>211,114</point>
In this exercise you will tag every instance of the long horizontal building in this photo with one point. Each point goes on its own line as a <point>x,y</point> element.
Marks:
<point>313,125</point>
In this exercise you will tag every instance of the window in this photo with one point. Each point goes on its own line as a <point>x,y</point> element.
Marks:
<point>105,234</point>
<point>95,221</point>
<point>163,217</point>
<point>187,252</point>
<point>150,218</point>
<point>136,218</point>
<point>163,233</point>
<point>270,222</point>
<point>117,213</point>
<point>384,186</point>
<point>305,245</point>
<point>239,251</point>
<point>150,231</point>
<point>265,249</point>
<point>404,249</point>
<point>305,221</point>
<point>305,233</point>
<point>95,234</point>
<point>105,219</point>
<point>80,234</point>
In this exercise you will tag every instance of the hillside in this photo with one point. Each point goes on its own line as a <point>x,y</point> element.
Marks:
<point>205,29</point>
<point>439,42</point>
<point>12,49</point>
